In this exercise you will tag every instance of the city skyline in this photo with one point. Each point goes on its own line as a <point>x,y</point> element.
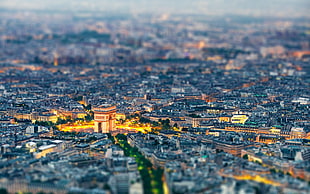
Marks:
<point>273,8</point>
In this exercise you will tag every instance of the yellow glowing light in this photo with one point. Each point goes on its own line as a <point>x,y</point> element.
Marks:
<point>165,185</point>
<point>76,127</point>
<point>257,178</point>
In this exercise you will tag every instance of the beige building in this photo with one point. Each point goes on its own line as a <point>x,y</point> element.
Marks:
<point>104,118</point>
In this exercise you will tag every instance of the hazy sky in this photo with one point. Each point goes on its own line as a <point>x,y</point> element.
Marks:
<point>214,7</point>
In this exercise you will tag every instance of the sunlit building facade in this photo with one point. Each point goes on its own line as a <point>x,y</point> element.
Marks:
<point>239,119</point>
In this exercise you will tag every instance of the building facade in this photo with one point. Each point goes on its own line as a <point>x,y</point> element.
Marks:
<point>104,119</point>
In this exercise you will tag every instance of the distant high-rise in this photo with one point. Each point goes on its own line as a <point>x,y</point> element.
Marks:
<point>55,59</point>
<point>85,100</point>
<point>104,118</point>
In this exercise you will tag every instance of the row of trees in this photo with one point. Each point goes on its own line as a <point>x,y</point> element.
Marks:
<point>152,178</point>
<point>4,191</point>
<point>162,124</point>
<point>59,121</point>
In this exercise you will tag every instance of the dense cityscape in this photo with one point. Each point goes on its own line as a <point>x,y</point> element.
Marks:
<point>153,103</point>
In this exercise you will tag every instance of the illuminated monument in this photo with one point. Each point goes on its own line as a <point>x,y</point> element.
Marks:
<point>104,118</point>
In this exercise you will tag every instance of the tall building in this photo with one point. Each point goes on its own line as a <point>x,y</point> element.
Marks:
<point>104,118</point>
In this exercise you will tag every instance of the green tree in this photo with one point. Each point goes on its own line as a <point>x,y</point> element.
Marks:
<point>111,138</point>
<point>258,162</point>
<point>273,170</point>
<point>3,191</point>
<point>144,120</point>
<point>165,124</point>
<point>121,137</point>
<point>151,177</point>
<point>246,157</point>
<point>88,107</point>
